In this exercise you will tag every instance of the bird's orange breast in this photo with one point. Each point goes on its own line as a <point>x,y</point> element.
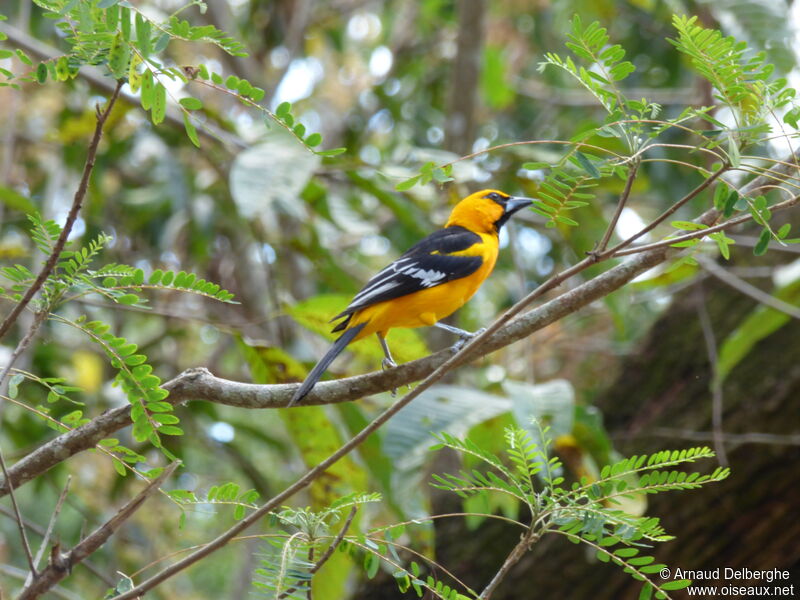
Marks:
<point>427,306</point>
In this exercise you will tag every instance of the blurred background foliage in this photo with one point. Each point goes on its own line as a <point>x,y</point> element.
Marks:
<point>399,83</point>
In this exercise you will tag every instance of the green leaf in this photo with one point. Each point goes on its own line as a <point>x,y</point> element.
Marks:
<point>128,299</point>
<point>159,110</point>
<point>125,22</point>
<point>161,43</point>
<point>191,103</point>
<point>118,57</point>
<point>170,430</point>
<point>315,139</point>
<point>332,152</point>
<point>407,184</point>
<point>148,89</point>
<point>41,73</point>
<point>143,35</point>
<point>23,57</point>
<point>676,584</point>
<point>190,130</point>
<point>763,242</point>
<point>283,109</point>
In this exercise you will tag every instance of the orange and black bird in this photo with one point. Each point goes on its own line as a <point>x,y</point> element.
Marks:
<point>431,281</point>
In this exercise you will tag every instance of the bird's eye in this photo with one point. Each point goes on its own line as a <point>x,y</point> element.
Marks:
<point>495,196</point>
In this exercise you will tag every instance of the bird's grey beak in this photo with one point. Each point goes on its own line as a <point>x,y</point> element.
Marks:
<point>515,204</point>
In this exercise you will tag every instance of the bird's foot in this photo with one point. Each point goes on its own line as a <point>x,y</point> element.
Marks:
<point>388,363</point>
<point>464,338</point>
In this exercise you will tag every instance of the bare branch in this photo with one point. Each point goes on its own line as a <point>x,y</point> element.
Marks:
<point>752,437</point>
<point>667,213</point>
<point>40,531</point>
<point>717,398</point>
<point>18,518</point>
<point>77,202</point>
<point>62,562</point>
<point>740,285</point>
<point>20,574</point>
<point>524,544</point>
<point>46,539</point>
<point>200,384</point>
<point>338,540</point>
<point>623,199</point>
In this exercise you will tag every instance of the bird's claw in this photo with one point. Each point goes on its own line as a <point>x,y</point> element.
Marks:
<point>388,363</point>
<point>465,338</point>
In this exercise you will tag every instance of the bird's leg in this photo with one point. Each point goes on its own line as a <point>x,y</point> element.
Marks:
<point>463,336</point>
<point>388,361</point>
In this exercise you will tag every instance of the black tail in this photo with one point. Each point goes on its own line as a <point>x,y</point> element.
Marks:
<point>324,363</point>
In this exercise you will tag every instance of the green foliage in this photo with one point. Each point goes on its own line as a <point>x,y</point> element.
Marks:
<point>129,43</point>
<point>427,173</point>
<point>74,278</point>
<point>562,192</point>
<point>591,44</point>
<point>302,537</point>
<point>585,512</point>
<point>226,494</point>
<point>741,82</point>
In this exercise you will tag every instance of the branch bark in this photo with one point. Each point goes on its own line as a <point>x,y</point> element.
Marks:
<point>61,563</point>
<point>200,384</point>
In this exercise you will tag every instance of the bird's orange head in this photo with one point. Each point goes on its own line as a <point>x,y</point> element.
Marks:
<point>486,211</point>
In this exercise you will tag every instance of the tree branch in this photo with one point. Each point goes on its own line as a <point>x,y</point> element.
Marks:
<point>77,202</point>
<point>61,563</point>
<point>717,397</point>
<point>623,199</point>
<point>46,539</point>
<point>200,384</point>
<point>18,518</point>
<point>525,542</point>
<point>741,286</point>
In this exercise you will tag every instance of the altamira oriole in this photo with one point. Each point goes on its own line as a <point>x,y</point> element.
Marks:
<point>429,282</point>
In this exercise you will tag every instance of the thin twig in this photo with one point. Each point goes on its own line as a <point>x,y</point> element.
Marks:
<point>525,542</point>
<point>51,525</point>
<point>338,540</point>
<point>752,437</point>
<point>62,562</point>
<point>40,531</point>
<point>23,344</point>
<point>18,517</point>
<point>623,199</point>
<point>328,552</point>
<point>77,202</point>
<point>717,398</point>
<point>751,291</point>
<point>666,214</point>
<point>743,218</point>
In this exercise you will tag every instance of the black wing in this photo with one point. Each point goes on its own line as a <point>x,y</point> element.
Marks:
<point>425,265</point>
